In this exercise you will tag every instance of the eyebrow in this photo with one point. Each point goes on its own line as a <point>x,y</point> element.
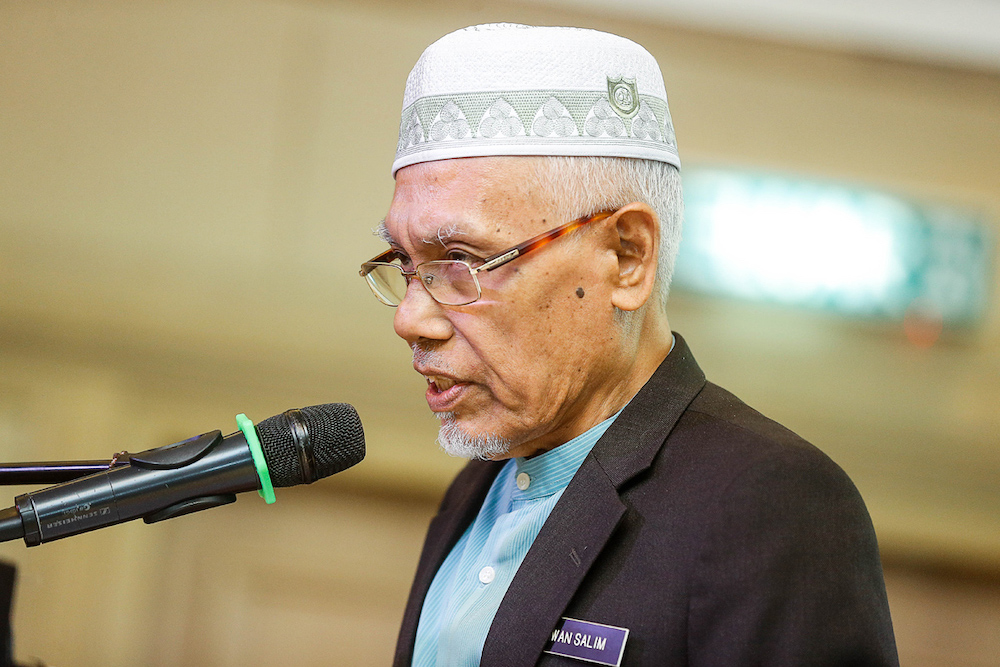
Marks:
<point>442,236</point>
<point>383,233</point>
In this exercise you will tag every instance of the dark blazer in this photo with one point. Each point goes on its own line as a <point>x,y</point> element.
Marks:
<point>715,535</point>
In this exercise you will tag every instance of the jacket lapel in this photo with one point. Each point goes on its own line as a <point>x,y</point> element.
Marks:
<point>572,537</point>
<point>587,513</point>
<point>458,509</point>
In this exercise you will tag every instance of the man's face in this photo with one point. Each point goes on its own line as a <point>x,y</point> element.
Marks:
<point>535,360</point>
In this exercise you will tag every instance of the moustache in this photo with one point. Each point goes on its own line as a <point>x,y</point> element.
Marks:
<point>428,357</point>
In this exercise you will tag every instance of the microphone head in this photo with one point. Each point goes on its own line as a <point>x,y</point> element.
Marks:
<point>301,446</point>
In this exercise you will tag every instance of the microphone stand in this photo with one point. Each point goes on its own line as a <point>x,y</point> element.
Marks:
<point>16,474</point>
<point>55,472</point>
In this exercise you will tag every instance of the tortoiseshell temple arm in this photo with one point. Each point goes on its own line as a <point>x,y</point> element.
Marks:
<point>539,241</point>
<point>504,256</point>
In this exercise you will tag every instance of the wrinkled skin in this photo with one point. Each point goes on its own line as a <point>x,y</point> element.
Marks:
<point>532,361</point>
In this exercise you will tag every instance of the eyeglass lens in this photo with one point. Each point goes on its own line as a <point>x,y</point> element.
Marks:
<point>449,282</point>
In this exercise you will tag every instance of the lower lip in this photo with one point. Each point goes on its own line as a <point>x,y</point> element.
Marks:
<point>444,401</point>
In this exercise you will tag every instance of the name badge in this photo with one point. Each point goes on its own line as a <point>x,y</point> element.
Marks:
<point>593,642</point>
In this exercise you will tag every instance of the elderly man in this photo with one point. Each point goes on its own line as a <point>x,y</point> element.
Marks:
<point>618,508</point>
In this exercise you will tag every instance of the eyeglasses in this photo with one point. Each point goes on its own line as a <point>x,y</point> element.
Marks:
<point>452,282</point>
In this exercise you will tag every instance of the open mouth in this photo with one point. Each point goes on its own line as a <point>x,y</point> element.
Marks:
<point>444,393</point>
<point>440,383</point>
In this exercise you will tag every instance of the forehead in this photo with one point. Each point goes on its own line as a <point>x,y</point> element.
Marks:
<point>492,198</point>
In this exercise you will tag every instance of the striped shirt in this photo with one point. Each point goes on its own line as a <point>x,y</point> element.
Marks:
<point>467,590</point>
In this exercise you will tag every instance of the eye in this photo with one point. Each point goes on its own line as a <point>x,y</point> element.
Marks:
<point>462,256</point>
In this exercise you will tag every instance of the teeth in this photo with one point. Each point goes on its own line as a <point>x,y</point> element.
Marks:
<point>442,383</point>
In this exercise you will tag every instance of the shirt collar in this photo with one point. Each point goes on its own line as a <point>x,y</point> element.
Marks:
<point>552,471</point>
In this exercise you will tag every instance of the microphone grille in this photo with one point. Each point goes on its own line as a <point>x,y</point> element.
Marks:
<point>301,446</point>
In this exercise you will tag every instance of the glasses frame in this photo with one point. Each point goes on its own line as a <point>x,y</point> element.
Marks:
<point>492,262</point>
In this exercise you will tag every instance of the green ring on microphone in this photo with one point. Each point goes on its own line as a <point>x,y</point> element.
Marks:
<point>250,433</point>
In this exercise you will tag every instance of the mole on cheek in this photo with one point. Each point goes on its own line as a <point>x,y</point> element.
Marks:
<point>579,292</point>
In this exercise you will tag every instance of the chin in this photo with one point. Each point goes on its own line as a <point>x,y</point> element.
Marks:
<point>457,441</point>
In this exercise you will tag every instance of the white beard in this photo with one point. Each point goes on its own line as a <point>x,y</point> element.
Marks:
<point>457,442</point>
<point>451,437</point>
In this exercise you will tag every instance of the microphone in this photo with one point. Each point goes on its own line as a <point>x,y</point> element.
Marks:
<point>295,447</point>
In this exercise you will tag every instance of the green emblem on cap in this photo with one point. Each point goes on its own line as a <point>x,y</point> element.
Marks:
<point>623,96</point>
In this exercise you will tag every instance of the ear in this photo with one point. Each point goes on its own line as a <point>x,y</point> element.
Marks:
<point>638,243</point>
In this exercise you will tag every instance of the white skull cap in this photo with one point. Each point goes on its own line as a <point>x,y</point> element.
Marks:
<point>509,89</point>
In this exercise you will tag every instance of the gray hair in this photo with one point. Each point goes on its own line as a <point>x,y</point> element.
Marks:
<point>579,186</point>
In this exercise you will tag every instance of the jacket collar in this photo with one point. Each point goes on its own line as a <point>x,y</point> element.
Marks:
<point>634,440</point>
<point>587,514</point>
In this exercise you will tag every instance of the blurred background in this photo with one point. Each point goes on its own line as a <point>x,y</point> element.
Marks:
<point>187,190</point>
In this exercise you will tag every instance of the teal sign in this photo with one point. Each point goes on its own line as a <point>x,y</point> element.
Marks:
<point>831,247</point>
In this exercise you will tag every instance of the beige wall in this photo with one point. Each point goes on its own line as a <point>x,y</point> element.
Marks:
<point>187,189</point>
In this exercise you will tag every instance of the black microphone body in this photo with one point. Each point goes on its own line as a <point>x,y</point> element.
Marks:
<point>140,489</point>
<point>298,447</point>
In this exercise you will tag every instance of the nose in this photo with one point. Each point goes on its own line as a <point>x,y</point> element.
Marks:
<point>420,317</point>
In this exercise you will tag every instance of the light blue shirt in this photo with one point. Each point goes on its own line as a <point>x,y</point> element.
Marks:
<point>467,590</point>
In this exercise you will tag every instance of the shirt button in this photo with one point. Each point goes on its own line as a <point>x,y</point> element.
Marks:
<point>487,574</point>
<point>523,481</point>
